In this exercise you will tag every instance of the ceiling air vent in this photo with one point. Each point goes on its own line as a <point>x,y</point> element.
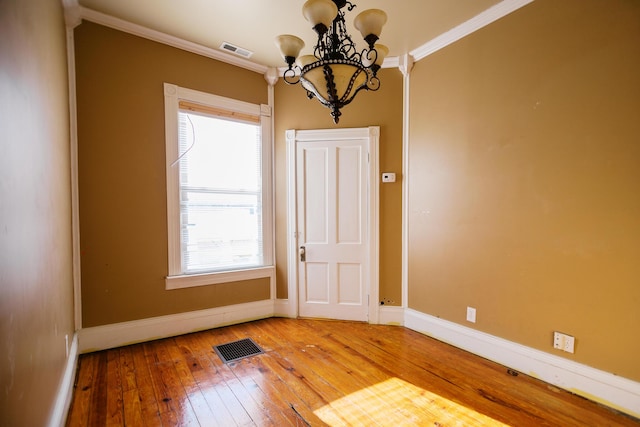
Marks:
<point>235,49</point>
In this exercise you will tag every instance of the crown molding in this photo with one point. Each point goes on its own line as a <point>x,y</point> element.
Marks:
<point>157,36</point>
<point>271,76</point>
<point>72,16</point>
<point>483,19</point>
<point>391,62</point>
<point>74,12</point>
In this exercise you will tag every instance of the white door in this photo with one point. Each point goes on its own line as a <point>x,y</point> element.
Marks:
<point>333,217</point>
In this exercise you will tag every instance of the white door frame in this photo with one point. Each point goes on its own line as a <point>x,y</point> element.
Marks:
<point>372,134</point>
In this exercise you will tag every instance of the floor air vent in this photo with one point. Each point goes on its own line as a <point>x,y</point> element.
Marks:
<point>237,350</point>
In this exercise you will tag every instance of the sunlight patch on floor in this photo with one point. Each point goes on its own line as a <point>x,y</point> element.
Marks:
<point>396,402</point>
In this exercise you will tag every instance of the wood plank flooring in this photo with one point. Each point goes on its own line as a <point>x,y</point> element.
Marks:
<point>316,373</point>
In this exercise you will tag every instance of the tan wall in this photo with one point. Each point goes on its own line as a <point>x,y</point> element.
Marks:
<point>36,281</point>
<point>382,108</point>
<point>524,180</point>
<point>122,173</point>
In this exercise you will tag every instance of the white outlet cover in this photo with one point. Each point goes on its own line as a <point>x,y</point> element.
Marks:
<point>569,343</point>
<point>471,314</point>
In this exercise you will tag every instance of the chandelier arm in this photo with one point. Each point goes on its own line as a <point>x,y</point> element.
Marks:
<point>373,84</point>
<point>374,70</point>
<point>347,46</point>
<point>370,54</point>
<point>290,76</point>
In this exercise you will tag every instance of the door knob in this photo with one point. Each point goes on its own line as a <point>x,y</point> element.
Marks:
<point>303,254</point>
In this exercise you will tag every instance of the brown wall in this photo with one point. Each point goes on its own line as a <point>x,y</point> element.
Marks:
<point>524,180</point>
<point>122,179</point>
<point>523,166</point>
<point>122,173</point>
<point>36,280</point>
<point>382,108</point>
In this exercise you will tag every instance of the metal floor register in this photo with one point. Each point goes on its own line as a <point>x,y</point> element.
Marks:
<point>237,350</point>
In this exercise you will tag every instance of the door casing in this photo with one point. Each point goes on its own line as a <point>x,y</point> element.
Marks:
<point>372,134</point>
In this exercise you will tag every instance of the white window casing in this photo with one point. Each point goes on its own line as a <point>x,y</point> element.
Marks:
<point>177,98</point>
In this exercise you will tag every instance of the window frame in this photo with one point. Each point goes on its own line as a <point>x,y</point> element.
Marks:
<point>176,278</point>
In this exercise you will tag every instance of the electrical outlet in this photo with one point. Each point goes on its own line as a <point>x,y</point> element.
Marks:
<point>471,314</point>
<point>564,342</point>
<point>569,344</point>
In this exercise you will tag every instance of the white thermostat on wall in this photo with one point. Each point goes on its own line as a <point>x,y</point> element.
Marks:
<point>388,177</point>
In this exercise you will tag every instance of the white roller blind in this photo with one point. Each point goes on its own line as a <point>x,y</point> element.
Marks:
<point>194,107</point>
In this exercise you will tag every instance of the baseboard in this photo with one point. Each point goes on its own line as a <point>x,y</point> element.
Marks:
<point>283,308</point>
<point>65,391</point>
<point>387,315</point>
<point>391,315</point>
<point>613,391</point>
<point>119,334</point>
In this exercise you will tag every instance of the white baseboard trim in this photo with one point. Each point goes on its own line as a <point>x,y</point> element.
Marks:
<point>605,388</point>
<point>387,315</point>
<point>284,308</point>
<point>65,391</point>
<point>391,315</point>
<point>119,334</point>
<point>596,385</point>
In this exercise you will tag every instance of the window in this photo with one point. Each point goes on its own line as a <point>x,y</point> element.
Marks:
<point>218,189</point>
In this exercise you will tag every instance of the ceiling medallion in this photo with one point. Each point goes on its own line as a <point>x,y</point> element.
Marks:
<point>336,71</point>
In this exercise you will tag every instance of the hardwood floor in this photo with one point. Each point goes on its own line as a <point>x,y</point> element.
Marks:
<point>316,373</point>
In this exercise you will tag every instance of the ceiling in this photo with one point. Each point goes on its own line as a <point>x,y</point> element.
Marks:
<point>253,24</point>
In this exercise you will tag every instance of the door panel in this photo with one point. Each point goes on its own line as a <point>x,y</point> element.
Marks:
<point>332,206</point>
<point>349,284</point>
<point>315,180</point>
<point>317,282</point>
<point>349,190</point>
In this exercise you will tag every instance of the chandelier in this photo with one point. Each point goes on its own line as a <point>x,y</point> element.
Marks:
<point>336,71</point>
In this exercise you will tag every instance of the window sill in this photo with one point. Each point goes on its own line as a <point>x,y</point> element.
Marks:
<point>193,280</point>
